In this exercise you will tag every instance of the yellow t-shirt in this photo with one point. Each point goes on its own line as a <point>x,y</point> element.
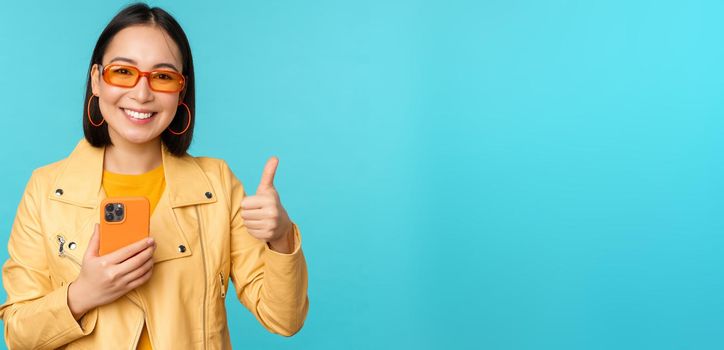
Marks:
<point>149,185</point>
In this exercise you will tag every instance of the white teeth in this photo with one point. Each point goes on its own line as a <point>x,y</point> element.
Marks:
<point>137,115</point>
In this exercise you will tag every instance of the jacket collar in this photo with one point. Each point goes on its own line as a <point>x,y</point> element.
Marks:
<point>79,181</point>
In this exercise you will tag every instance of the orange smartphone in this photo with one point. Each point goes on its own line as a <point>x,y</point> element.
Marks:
<point>124,220</point>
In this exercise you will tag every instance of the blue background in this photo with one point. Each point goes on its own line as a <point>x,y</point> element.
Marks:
<point>466,174</point>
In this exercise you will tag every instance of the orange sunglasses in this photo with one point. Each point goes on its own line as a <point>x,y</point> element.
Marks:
<point>128,76</point>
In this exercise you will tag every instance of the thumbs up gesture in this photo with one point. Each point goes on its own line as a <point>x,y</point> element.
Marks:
<point>263,214</point>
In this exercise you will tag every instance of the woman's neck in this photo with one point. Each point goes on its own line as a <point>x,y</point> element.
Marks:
<point>125,157</point>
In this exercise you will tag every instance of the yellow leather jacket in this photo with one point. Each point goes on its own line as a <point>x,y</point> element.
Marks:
<point>201,242</point>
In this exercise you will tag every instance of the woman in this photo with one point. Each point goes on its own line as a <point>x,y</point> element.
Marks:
<point>167,291</point>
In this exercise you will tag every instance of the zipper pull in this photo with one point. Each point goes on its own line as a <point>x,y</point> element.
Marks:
<point>223,288</point>
<point>61,242</point>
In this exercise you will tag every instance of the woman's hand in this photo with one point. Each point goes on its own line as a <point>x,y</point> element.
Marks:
<point>103,279</point>
<point>264,215</point>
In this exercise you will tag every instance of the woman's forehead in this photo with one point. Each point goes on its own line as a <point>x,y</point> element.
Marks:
<point>145,46</point>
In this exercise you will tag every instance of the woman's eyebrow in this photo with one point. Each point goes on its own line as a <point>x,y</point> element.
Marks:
<point>159,65</point>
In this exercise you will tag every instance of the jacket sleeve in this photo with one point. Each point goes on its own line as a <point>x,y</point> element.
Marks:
<point>35,316</point>
<point>272,285</point>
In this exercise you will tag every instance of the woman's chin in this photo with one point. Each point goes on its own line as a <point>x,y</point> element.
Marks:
<point>137,138</point>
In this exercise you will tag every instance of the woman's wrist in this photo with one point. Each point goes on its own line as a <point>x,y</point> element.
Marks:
<point>75,301</point>
<point>284,244</point>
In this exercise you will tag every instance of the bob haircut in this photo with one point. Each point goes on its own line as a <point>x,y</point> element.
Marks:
<point>142,14</point>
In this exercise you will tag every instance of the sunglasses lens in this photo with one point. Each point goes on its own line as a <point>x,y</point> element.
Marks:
<point>167,81</point>
<point>127,76</point>
<point>121,76</point>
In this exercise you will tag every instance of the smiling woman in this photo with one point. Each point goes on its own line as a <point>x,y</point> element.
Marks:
<point>168,290</point>
<point>125,106</point>
<point>131,44</point>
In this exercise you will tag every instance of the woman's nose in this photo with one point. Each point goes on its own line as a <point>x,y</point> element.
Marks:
<point>142,91</point>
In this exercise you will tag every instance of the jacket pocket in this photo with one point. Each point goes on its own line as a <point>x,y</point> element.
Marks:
<point>64,263</point>
<point>222,285</point>
<point>217,308</point>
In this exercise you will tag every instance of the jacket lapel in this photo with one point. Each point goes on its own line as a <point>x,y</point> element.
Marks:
<point>79,180</point>
<point>79,183</point>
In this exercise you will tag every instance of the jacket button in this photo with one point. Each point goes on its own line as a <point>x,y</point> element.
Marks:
<point>59,192</point>
<point>72,245</point>
<point>182,248</point>
<point>209,195</point>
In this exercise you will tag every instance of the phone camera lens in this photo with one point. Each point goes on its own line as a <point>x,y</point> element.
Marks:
<point>119,211</point>
<point>109,217</point>
<point>109,207</point>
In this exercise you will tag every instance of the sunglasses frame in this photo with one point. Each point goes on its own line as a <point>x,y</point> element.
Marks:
<point>141,74</point>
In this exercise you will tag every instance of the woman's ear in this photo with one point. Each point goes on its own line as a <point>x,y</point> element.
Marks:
<point>182,95</point>
<point>94,77</point>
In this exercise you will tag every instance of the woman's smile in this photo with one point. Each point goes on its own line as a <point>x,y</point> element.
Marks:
<point>138,116</point>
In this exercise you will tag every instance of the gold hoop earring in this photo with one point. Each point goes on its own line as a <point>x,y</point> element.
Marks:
<point>89,113</point>
<point>188,124</point>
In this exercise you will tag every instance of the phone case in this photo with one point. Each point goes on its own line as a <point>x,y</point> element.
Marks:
<point>120,228</point>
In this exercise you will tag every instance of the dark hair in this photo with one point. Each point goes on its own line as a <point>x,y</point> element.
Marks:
<point>142,14</point>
